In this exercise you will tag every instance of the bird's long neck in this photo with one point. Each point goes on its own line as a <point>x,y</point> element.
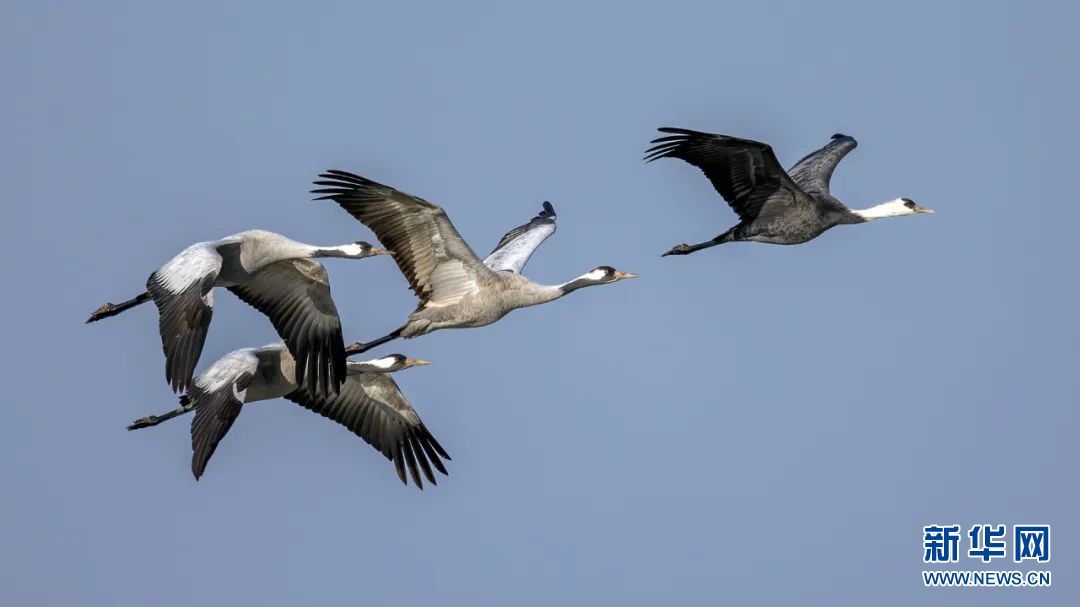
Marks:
<point>893,208</point>
<point>329,251</point>
<point>578,283</point>
<point>523,292</point>
<point>369,366</point>
<point>286,248</point>
<point>552,292</point>
<point>534,294</point>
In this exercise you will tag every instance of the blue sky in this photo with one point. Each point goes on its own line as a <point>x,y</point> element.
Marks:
<point>752,424</point>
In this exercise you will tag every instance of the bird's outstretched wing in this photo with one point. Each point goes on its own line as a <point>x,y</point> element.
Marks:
<point>518,245</point>
<point>295,295</point>
<point>218,395</point>
<point>183,291</point>
<point>813,172</point>
<point>372,406</point>
<point>439,265</point>
<point>746,173</point>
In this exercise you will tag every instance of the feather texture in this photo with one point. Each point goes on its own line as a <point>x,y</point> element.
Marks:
<point>439,265</point>
<point>517,246</point>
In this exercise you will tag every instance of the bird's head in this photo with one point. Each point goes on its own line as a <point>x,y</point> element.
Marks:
<point>388,364</point>
<point>605,274</point>
<point>600,276</point>
<point>361,249</point>
<point>404,362</point>
<point>894,208</point>
<point>910,208</point>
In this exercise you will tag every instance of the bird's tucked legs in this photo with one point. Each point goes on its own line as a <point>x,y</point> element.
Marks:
<point>111,309</point>
<point>153,420</point>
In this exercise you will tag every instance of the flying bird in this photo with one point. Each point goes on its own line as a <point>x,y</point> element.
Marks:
<point>455,288</point>
<point>774,206</point>
<point>268,271</point>
<point>369,403</point>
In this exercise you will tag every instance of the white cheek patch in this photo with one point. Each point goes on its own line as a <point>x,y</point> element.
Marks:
<point>595,275</point>
<point>383,363</point>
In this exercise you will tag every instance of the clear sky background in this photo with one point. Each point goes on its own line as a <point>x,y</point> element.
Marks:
<point>749,425</point>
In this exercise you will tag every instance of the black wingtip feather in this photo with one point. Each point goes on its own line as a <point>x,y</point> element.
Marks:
<point>410,460</point>
<point>668,147</point>
<point>421,458</point>
<point>425,441</point>
<point>678,131</point>
<point>342,184</point>
<point>434,443</point>
<point>399,463</point>
<point>344,174</point>
<point>664,150</point>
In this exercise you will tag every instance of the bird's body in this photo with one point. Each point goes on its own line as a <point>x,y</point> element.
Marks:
<point>774,206</point>
<point>270,272</point>
<point>369,403</point>
<point>499,291</point>
<point>235,258</point>
<point>455,288</point>
<point>497,294</point>
<point>272,369</point>
<point>801,223</point>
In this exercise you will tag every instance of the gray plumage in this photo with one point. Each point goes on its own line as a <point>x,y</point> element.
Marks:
<point>455,288</point>
<point>774,206</point>
<point>268,271</point>
<point>369,404</point>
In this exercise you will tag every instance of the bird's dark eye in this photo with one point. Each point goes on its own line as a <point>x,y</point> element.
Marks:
<point>908,202</point>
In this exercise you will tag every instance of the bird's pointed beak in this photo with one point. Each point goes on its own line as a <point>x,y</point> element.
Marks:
<point>621,275</point>
<point>416,362</point>
<point>919,209</point>
<point>378,251</point>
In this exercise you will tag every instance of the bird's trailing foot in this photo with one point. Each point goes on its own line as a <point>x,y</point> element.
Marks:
<point>111,309</point>
<point>679,249</point>
<point>104,311</point>
<point>145,422</point>
<point>186,405</point>
<point>355,348</point>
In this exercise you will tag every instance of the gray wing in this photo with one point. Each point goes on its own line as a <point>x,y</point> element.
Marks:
<point>183,291</point>
<point>813,172</point>
<point>372,407</point>
<point>295,295</point>
<point>518,245</point>
<point>746,173</point>
<point>439,265</point>
<point>218,395</point>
